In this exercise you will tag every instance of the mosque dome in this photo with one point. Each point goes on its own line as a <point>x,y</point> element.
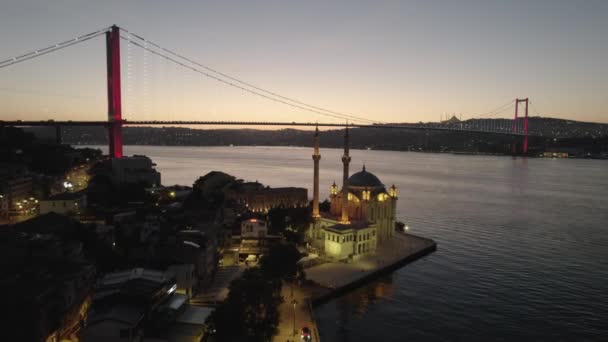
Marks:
<point>364,179</point>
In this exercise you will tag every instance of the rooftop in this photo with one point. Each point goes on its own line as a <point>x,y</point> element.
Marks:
<point>66,196</point>
<point>126,313</point>
<point>194,315</point>
<point>364,179</point>
<point>136,273</point>
<point>175,302</point>
<point>354,225</point>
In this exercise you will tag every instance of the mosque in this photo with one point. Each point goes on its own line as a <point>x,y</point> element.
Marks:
<point>362,214</point>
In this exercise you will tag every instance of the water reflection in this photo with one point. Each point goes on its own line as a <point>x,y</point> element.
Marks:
<point>359,300</point>
<point>355,304</point>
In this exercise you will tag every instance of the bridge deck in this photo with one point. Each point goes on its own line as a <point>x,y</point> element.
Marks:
<point>438,127</point>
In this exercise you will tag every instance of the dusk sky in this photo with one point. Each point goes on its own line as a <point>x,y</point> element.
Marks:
<point>390,61</point>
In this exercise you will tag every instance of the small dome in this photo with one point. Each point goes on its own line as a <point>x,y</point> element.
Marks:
<point>364,179</point>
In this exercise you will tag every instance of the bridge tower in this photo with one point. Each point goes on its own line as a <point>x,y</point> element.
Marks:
<point>114,98</point>
<point>316,157</point>
<point>515,124</point>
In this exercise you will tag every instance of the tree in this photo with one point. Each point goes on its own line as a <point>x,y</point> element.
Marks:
<point>291,222</point>
<point>276,220</point>
<point>100,190</point>
<point>250,311</point>
<point>281,262</point>
<point>103,192</point>
<point>295,236</point>
<point>325,206</point>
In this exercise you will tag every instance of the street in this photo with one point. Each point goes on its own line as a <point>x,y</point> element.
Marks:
<point>303,316</point>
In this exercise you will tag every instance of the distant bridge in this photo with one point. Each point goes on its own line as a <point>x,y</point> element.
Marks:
<point>435,127</point>
<point>115,120</point>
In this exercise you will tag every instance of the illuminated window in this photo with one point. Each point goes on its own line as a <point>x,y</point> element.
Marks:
<point>392,191</point>
<point>366,194</point>
<point>333,189</point>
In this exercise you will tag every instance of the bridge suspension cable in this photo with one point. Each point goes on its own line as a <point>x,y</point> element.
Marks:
<point>257,90</point>
<point>496,111</point>
<point>536,111</point>
<point>52,48</point>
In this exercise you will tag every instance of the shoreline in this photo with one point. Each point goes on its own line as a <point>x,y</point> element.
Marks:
<point>455,153</point>
<point>369,276</point>
<point>331,280</point>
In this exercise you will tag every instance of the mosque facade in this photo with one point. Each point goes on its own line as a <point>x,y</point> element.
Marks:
<point>362,213</point>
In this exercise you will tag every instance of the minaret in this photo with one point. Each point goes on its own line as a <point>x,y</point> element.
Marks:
<point>315,190</point>
<point>345,161</point>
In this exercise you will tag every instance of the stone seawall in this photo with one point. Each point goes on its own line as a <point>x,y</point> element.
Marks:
<point>335,279</point>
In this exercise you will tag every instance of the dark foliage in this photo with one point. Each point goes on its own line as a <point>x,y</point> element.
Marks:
<point>102,192</point>
<point>325,206</point>
<point>281,218</point>
<point>250,312</point>
<point>280,262</point>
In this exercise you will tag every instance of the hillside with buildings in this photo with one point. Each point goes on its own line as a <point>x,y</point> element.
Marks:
<point>583,137</point>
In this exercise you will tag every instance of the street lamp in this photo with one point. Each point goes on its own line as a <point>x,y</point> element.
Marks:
<point>294,302</point>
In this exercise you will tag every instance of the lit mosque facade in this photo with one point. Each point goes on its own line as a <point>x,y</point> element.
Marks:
<point>362,213</point>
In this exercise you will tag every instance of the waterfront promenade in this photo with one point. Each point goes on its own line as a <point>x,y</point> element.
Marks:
<point>303,315</point>
<point>336,276</point>
<point>330,279</point>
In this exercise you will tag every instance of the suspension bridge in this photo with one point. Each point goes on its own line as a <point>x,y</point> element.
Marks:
<point>517,127</point>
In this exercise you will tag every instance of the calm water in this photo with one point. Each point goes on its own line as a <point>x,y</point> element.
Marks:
<point>522,244</point>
